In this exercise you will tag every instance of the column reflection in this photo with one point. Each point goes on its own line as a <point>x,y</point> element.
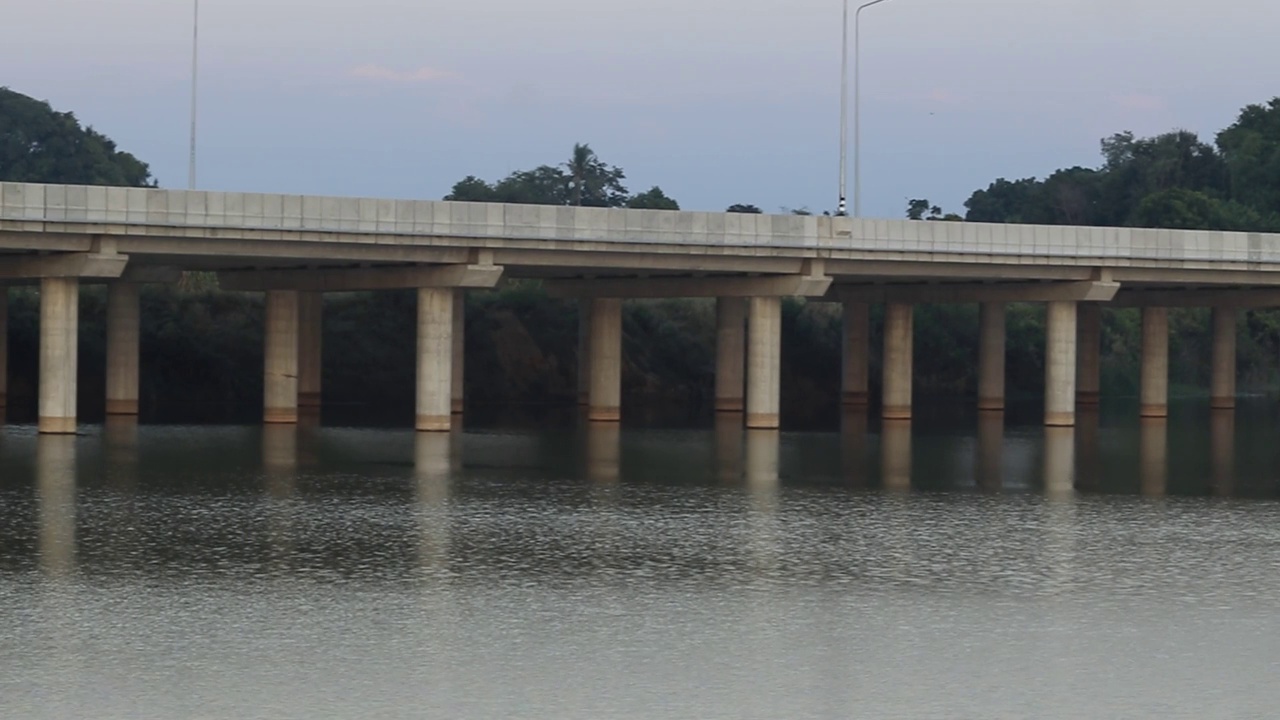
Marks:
<point>1059,462</point>
<point>279,474</point>
<point>989,457</point>
<point>1153,456</point>
<point>895,455</point>
<point>120,451</point>
<point>729,448</point>
<point>761,480</point>
<point>604,442</point>
<point>434,461</point>
<point>56,503</point>
<point>853,445</point>
<point>1222,451</point>
<point>1088,459</point>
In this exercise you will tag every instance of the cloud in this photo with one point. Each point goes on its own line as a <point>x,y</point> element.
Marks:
<point>1140,102</point>
<point>378,73</point>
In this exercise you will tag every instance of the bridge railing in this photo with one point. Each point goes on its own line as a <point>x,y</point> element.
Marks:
<point>34,207</point>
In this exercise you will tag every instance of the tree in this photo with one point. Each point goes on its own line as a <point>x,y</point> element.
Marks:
<point>471,189</point>
<point>38,144</point>
<point>593,183</point>
<point>1003,201</point>
<point>652,199</point>
<point>741,208</point>
<point>1251,152</point>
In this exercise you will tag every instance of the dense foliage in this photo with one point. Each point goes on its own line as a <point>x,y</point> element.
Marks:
<point>39,144</point>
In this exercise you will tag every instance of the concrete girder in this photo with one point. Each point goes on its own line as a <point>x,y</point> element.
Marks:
<point>63,265</point>
<point>1243,298</point>
<point>372,278</point>
<point>718,287</point>
<point>925,294</point>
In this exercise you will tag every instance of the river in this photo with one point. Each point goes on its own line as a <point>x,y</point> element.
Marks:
<point>959,567</point>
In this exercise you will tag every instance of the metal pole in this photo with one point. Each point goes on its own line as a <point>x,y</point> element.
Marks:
<point>195,48</point>
<point>844,109</point>
<point>857,119</point>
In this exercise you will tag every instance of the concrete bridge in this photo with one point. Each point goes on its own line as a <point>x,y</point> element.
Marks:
<point>295,248</point>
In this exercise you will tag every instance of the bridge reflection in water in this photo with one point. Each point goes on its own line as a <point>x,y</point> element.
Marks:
<point>1196,454</point>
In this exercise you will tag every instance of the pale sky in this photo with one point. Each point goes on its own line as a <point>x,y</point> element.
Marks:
<point>716,101</point>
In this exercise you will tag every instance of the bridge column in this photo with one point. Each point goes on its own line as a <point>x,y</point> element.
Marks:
<point>899,334</point>
<point>1222,395</point>
<point>123,328</point>
<point>764,362</point>
<point>4,350</point>
<point>459,351</point>
<point>1155,362</point>
<point>280,359</point>
<point>435,357</point>
<point>1060,364</point>
<point>1089,362</point>
<point>584,350</point>
<point>991,346</point>
<point>59,325</point>
<point>856,341</point>
<point>731,343</point>
<point>605,402</point>
<point>310,346</point>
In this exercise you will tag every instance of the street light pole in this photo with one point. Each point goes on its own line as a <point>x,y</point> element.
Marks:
<point>844,104</point>
<point>195,49</point>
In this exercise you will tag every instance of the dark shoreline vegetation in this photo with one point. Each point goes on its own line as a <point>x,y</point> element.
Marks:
<point>202,347</point>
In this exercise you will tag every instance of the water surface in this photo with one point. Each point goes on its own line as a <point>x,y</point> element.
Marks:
<point>972,568</point>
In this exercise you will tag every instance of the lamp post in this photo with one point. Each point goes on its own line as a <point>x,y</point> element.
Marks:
<point>195,48</point>
<point>844,110</point>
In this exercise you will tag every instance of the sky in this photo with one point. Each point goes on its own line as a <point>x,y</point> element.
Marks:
<point>716,101</point>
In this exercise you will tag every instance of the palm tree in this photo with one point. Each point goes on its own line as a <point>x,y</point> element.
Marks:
<point>581,165</point>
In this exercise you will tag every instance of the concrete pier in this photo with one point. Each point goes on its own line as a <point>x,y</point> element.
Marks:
<point>584,350</point>
<point>59,326</point>
<point>856,343</point>
<point>1060,364</point>
<point>991,346</point>
<point>310,349</point>
<point>459,351</point>
<point>1222,395</point>
<point>435,356</point>
<point>899,333</point>
<point>123,328</point>
<point>4,349</point>
<point>605,401</point>
<point>731,346</point>
<point>764,362</point>
<point>1089,358</point>
<point>1155,363</point>
<point>280,359</point>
